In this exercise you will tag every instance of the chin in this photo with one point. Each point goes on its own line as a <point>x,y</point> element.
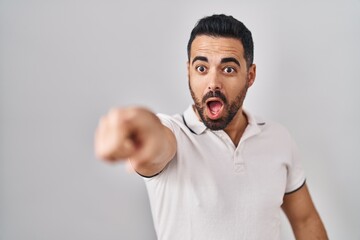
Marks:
<point>219,124</point>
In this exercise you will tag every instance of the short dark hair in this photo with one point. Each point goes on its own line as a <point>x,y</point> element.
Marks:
<point>224,26</point>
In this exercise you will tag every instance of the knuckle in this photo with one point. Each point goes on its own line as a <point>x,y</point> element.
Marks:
<point>102,121</point>
<point>113,113</point>
<point>113,110</point>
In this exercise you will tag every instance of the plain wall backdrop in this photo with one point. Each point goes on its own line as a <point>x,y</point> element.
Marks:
<point>63,64</point>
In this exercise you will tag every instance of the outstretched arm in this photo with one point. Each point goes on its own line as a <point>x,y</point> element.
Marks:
<point>303,217</point>
<point>136,134</point>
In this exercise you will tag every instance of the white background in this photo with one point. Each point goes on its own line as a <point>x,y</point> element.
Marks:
<point>65,63</point>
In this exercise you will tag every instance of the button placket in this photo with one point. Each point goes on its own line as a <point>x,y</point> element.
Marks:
<point>239,162</point>
<point>226,139</point>
<point>239,168</point>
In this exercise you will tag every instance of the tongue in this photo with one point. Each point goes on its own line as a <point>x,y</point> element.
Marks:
<point>215,106</point>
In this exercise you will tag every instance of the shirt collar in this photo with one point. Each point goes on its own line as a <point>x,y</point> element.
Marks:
<point>192,122</point>
<point>253,127</point>
<point>196,126</point>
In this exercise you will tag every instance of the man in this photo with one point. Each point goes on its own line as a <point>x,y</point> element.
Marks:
<point>216,171</point>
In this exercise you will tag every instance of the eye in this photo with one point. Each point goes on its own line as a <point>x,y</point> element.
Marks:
<point>201,69</point>
<point>229,70</point>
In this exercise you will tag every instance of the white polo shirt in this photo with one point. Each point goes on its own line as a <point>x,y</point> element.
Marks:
<point>214,190</point>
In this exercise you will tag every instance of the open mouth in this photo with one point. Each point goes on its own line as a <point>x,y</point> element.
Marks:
<point>215,107</point>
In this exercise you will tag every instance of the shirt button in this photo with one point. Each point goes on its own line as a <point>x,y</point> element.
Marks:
<point>239,168</point>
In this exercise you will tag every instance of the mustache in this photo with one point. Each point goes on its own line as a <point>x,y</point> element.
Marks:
<point>216,94</point>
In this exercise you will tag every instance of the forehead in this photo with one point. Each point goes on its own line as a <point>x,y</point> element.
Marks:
<point>220,46</point>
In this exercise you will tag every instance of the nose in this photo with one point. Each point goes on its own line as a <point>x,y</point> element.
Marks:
<point>214,81</point>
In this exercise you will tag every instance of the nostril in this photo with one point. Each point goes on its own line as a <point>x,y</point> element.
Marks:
<point>214,88</point>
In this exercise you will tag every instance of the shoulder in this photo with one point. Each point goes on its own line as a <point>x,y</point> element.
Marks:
<point>173,122</point>
<point>269,134</point>
<point>276,128</point>
<point>268,127</point>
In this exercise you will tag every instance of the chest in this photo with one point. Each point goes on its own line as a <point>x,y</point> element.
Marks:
<point>217,174</point>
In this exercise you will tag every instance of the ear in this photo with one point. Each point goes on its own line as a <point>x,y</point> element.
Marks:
<point>251,74</point>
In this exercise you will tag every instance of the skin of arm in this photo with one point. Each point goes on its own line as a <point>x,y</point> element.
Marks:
<point>138,135</point>
<point>303,217</point>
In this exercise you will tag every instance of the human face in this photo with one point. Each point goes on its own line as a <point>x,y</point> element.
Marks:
<point>218,79</point>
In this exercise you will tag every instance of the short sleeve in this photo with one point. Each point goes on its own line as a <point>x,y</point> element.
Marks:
<point>167,121</point>
<point>295,175</point>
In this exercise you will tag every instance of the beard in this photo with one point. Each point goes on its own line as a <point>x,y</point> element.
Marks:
<point>230,108</point>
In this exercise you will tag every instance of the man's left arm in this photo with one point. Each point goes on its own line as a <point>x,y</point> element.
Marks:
<point>303,217</point>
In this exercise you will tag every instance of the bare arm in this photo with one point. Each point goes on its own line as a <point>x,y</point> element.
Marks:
<point>303,217</point>
<point>136,134</point>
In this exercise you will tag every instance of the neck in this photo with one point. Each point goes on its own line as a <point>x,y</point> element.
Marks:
<point>237,126</point>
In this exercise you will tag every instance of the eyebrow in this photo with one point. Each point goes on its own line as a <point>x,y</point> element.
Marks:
<point>230,59</point>
<point>223,60</point>
<point>199,58</point>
